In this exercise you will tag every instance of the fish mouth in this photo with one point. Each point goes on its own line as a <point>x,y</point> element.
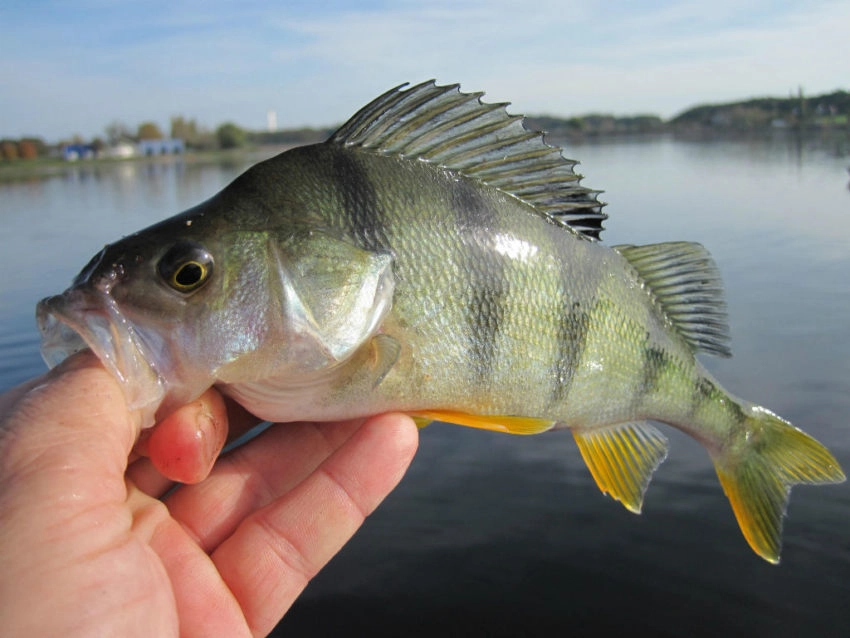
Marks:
<point>79,319</point>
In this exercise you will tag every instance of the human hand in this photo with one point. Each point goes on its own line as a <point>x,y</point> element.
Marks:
<point>89,544</point>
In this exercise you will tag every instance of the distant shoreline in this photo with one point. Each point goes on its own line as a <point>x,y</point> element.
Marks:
<point>45,167</point>
<point>825,116</point>
<point>837,138</point>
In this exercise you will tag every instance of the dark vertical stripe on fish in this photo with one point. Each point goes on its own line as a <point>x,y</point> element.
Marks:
<point>363,214</point>
<point>473,213</point>
<point>487,288</point>
<point>656,363</point>
<point>571,337</point>
<point>704,392</point>
<point>736,412</point>
<point>485,314</point>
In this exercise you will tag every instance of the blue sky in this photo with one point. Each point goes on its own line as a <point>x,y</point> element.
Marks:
<point>74,67</point>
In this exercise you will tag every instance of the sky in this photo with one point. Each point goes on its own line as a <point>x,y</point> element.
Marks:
<point>73,67</point>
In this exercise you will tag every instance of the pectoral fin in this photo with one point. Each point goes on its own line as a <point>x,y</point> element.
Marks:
<point>622,458</point>
<point>496,423</point>
<point>384,351</point>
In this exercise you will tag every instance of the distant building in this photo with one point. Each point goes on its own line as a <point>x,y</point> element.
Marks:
<point>271,121</point>
<point>74,152</point>
<point>170,146</point>
<point>122,150</point>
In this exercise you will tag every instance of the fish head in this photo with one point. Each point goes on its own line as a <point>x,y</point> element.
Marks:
<point>197,300</point>
<point>139,306</point>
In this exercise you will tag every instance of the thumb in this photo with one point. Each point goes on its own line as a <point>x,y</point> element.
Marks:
<point>68,427</point>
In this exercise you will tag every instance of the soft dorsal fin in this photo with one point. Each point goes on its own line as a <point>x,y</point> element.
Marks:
<point>457,131</point>
<point>685,282</point>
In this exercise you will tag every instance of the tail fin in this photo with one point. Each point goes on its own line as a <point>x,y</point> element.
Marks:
<point>758,473</point>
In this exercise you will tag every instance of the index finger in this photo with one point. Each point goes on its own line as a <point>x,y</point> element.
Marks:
<point>272,555</point>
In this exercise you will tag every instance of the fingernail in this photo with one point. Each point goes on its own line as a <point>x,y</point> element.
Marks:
<point>208,431</point>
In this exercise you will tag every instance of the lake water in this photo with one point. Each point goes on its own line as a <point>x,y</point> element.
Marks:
<point>493,535</point>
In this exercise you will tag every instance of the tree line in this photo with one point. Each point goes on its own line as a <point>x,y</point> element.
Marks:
<point>831,110</point>
<point>195,137</point>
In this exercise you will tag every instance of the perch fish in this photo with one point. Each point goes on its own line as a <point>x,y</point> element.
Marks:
<point>435,257</point>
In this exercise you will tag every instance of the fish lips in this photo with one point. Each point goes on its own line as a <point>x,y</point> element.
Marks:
<point>83,318</point>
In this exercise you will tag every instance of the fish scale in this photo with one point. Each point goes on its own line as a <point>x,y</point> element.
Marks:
<point>435,257</point>
<point>478,274</point>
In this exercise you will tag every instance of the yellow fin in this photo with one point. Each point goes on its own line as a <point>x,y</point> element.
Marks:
<point>757,479</point>
<point>622,458</point>
<point>421,422</point>
<point>509,424</point>
<point>686,284</point>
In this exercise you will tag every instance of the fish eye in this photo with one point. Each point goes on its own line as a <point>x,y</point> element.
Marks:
<point>186,267</point>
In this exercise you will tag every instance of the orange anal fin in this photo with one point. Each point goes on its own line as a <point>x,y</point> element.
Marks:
<point>622,458</point>
<point>495,423</point>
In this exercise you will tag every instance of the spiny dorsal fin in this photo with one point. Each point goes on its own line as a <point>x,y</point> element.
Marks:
<point>685,282</point>
<point>457,131</point>
<point>622,458</point>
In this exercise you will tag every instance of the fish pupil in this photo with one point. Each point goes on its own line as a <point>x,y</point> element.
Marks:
<point>189,274</point>
<point>185,267</point>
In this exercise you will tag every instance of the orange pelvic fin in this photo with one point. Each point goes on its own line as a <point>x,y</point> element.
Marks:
<point>496,423</point>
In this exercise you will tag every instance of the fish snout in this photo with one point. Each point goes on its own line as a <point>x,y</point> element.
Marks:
<point>99,273</point>
<point>70,322</point>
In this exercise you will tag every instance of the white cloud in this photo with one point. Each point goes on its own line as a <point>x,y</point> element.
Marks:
<point>316,65</point>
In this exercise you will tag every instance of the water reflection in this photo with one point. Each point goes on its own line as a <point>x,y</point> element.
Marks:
<point>495,535</point>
